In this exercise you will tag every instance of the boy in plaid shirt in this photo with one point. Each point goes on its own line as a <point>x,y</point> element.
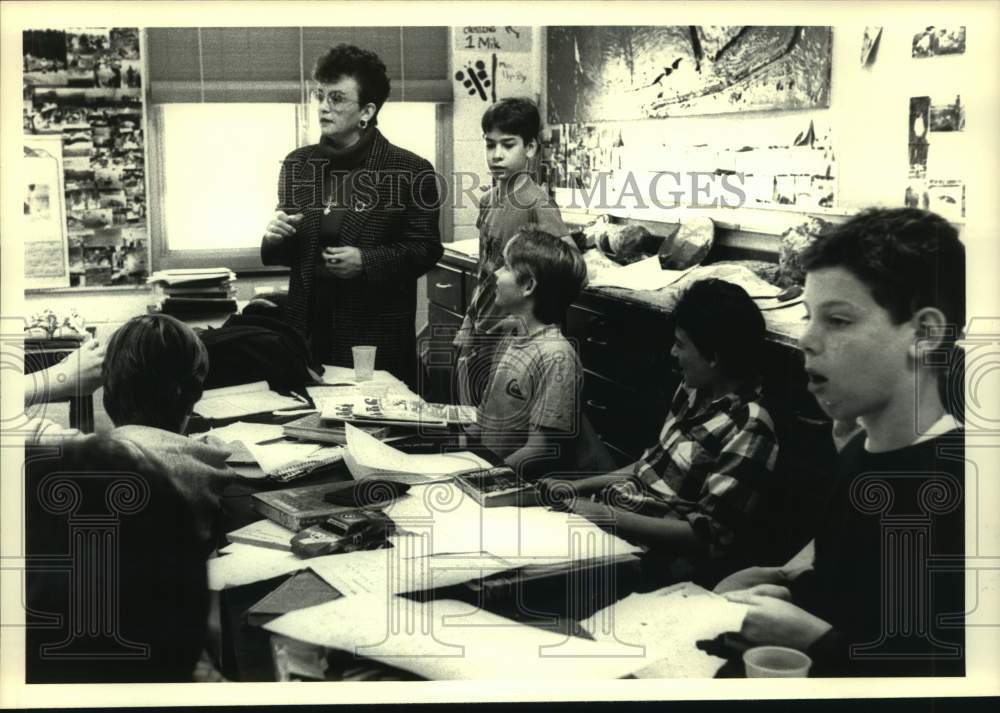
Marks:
<point>699,490</point>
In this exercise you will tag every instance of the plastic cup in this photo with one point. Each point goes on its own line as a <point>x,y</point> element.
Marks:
<point>364,363</point>
<point>776,662</point>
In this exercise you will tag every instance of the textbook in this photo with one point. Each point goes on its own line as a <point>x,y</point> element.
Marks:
<point>297,508</point>
<point>263,533</point>
<point>314,428</point>
<point>392,411</point>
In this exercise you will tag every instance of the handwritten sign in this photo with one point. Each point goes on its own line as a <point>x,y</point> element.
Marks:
<point>493,38</point>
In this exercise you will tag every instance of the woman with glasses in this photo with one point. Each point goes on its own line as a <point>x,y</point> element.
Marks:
<point>357,222</point>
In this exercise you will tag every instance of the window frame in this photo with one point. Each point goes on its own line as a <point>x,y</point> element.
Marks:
<point>247,260</point>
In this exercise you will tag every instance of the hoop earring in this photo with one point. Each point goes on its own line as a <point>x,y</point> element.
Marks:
<point>363,124</point>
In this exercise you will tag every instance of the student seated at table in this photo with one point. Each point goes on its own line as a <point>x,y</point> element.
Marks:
<point>698,493</point>
<point>530,412</point>
<point>885,293</point>
<point>114,552</point>
<point>153,371</point>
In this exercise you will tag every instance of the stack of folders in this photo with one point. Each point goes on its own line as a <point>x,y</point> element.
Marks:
<point>194,291</point>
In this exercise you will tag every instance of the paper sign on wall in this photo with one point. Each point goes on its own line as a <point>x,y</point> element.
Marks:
<point>493,38</point>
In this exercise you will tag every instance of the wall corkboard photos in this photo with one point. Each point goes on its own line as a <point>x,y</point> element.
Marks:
<point>85,86</point>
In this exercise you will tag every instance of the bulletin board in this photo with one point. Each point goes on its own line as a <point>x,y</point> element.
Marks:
<point>84,87</point>
<point>45,244</point>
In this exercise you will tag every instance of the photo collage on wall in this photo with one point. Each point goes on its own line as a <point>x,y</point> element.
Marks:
<point>86,86</point>
<point>797,170</point>
<point>935,125</point>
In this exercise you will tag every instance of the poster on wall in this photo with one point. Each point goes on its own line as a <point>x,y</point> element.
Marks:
<point>626,73</point>
<point>84,87</point>
<point>44,226</point>
<point>489,63</point>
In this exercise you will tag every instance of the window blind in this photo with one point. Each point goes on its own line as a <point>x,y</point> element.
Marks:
<point>274,64</point>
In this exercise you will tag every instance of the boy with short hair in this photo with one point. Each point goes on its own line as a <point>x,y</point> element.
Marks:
<point>153,372</point>
<point>885,295</point>
<point>529,415</point>
<point>510,132</point>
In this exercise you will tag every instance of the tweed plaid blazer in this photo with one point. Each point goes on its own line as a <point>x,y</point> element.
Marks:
<point>393,221</point>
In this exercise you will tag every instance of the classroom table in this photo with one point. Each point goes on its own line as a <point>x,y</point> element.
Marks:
<point>246,651</point>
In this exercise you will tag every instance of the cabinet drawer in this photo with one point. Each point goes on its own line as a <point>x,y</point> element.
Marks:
<point>632,349</point>
<point>626,419</point>
<point>445,288</point>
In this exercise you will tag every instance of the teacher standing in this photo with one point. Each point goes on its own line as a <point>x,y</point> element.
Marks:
<point>357,223</point>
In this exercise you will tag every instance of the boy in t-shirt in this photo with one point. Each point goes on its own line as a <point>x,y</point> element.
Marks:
<point>885,296</point>
<point>510,133</point>
<point>529,415</point>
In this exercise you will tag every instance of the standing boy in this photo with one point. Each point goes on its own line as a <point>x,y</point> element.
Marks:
<point>885,295</point>
<point>530,414</point>
<point>510,132</point>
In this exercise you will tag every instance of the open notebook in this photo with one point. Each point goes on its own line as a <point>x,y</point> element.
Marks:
<point>242,400</point>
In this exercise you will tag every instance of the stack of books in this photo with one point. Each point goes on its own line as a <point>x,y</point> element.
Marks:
<point>191,291</point>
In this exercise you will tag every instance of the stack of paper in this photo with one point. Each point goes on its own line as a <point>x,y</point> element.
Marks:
<point>196,290</point>
<point>367,457</point>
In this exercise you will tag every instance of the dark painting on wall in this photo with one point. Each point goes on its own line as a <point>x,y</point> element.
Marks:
<point>623,73</point>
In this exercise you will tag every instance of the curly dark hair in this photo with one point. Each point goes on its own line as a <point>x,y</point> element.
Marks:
<point>153,372</point>
<point>724,324</point>
<point>908,258</point>
<point>517,116</point>
<point>363,66</point>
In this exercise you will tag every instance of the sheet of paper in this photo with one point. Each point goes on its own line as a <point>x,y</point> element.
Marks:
<point>250,564</point>
<point>454,522</point>
<point>667,624</point>
<point>367,456</point>
<point>276,456</point>
<point>401,569</point>
<point>468,247</point>
<point>242,400</point>
<point>247,432</point>
<point>642,275</point>
<point>450,640</point>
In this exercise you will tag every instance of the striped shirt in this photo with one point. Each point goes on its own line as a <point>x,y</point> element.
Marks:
<point>712,465</point>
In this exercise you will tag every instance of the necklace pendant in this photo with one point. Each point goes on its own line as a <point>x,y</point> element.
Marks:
<point>329,206</point>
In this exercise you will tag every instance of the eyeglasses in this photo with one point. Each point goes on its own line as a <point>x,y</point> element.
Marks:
<point>331,98</point>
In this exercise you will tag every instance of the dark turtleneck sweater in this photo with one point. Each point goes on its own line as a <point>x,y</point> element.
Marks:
<point>340,176</point>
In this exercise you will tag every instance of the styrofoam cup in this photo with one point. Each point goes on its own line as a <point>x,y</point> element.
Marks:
<point>364,363</point>
<point>776,662</point>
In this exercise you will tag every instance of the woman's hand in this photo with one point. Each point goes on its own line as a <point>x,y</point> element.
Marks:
<point>344,263</point>
<point>282,225</point>
<point>79,374</point>
<point>772,619</point>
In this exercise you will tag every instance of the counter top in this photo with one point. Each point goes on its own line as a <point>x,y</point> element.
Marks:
<point>784,325</point>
